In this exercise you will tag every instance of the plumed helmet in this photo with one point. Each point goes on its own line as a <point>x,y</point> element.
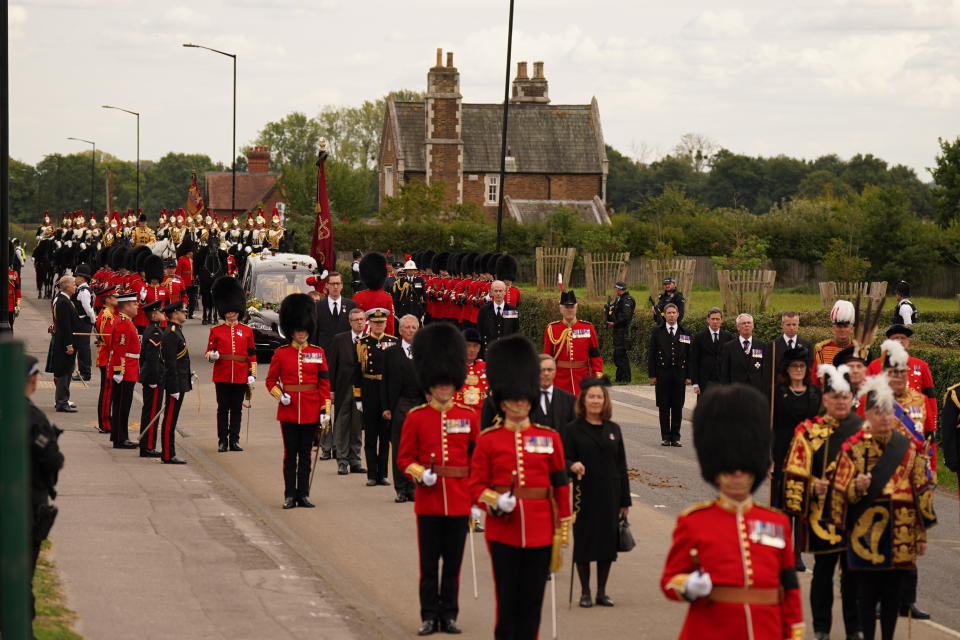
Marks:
<point>507,268</point>
<point>228,295</point>
<point>439,355</point>
<point>877,394</point>
<point>843,312</point>
<point>902,289</point>
<point>373,270</point>
<point>153,268</point>
<point>118,258</point>
<point>439,262</point>
<point>731,432</point>
<point>894,355</point>
<point>835,379</point>
<point>513,370</point>
<point>297,313</point>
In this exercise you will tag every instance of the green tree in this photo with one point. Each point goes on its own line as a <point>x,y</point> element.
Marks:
<point>624,177</point>
<point>895,241</point>
<point>946,175</point>
<point>842,265</point>
<point>294,140</point>
<point>863,170</point>
<point>23,193</point>
<point>168,179</point>
<point>823,184</point>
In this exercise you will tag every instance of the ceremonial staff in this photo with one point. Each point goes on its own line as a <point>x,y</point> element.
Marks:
<point>773,377</point>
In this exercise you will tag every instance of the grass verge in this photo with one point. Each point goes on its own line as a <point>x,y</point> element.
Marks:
<point>54,619</point>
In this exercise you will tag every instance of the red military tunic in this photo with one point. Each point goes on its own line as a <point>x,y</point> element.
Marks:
<point>431,283</point>
<point>149,293</point>
<point>920,380</point>
<point>535,453</point>
<point>823,353</point>
<point>176,290</point>
<point>125,349</point>
<point>512,296</point>
<point>475,295</point>
<point>231,266</point>
<point>475,387</point>
<point>238,353</point>
<point>745,548</point>
<point>576,350</point>
<point>458,298</point>
<point>301,372</point>
<point>185,270</point>
<point>105,321</point>
<point>373,299</point>
<point>13,289</point>
<point>448,433</point>
<point>102,280</point>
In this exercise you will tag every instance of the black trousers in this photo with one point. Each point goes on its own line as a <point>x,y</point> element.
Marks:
<point>621,349</point>
<point>401,481</point>
<point>670,394</point>
<point>152,404</point>
<point>440,537</point>
<point>521,578</point>
<point>908,587</point>
<point>82,345</point>
<point>821,593</point>
<point>171,413</point>
<point>192,300</point>
<point>376,433</point>
<point>121,397</point>
<point>881,587</point>
<point>297,443</point>
<point>103,401</point>
<point>229,410</point>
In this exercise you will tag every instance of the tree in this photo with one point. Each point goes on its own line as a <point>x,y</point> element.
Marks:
<point>734,181</point>
<point>624,178</point>
<point>293,140</point>
<point>353,133</point>
<point>420,202</point>
<point>23,192</point>
<point>946,175</point>
<point>823,184</point>
<point>863,170</point>
<point>841,265</point>
<point>697,149</point>
<point>168,179</point>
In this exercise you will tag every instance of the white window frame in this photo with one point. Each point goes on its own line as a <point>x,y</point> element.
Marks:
<point>491,189</point>
<point>388,180</point>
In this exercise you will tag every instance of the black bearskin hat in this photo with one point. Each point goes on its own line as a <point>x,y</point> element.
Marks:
<point>153,268</point>
<point>507,268</point>
<point>186,246</point>
<point>103,256</point>
<point>480,263</point>
<point>513,370</point>
<point>118,258</point>
<point>440,355</point>
<point>731,432</point>
<point>228,295</point>
<point>141,254</point>
<point>490,266</point>
<point>439,262</point>
<point>373,270</point>
<point>453,264</point>
<point>425,261</point>
<point>297,313</point>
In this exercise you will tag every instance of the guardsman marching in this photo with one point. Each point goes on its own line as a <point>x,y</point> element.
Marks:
<point>176,289</point>
<point>298,380</point>
<point>231,349</point>
<point>125,364</point>
<point>177,378</point>
<point>437,441</point>
<point>731,558</point>
<point>518,474</point>
<point>142,234</point>
<point>104,329</point>
<point>574,345</point>
<point>367,382</point>
<point>842,317</point>
<point>808,469</point>
<point>276,231</point>
<point>474,389</point>
<point>151,378</point>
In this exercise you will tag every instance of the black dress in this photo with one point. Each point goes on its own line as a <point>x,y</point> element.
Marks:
<point>789,410</point>
<point>605,488</point>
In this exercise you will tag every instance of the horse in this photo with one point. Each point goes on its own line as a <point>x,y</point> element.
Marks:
<point>165,248</point>
<point>43,266</point>
<point>209,264</point>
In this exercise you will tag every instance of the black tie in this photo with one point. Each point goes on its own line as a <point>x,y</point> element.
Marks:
<point>546,401</point>
<point>791,343</point>
<point>746,346</point>
<point>671,332</point>
<point>335,311</point>
<point>715,338</point>
<point>500,316</point>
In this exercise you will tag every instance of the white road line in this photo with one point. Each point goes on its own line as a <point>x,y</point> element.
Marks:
<point>634,407</point>
<point>939,627</point>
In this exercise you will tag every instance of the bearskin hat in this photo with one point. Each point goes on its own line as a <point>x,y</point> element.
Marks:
<point>439,355</point>
<point>439,262</point>
<point>513,370</point>
<point>507,268</point>
<point>373,270</point>
<point>490,266</point>
<point>137,257</point>
<point>103,256</point>
<point>425,261</point>
<point>186,246</point>
<point>118,258</point>
<point>227,295</point>
<point>153,268</point>
<point>731,432</point>
<point>480,263</point>
<point>453,264</point>
<point>297,313</point>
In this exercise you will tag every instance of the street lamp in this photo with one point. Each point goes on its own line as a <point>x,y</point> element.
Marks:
<point>93,169</point>
<point>503,139</point>
<point>233,150</point>
<point>134,113</point>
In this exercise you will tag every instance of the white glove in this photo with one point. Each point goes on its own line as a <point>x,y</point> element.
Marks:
<point>429,478</point>
<point>324,419</point>
<point>175,396</point>
<point>476,512</point>
<point>506,502</point>
<point>118,378</point>
<point>251,380</point>
<point>214,356</point>
<point>285,399</point>
<point>152,386</point>
<point>697,585</point>
<point>359,406</point>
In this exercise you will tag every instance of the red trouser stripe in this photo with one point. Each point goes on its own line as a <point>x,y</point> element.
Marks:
<point>152,435</point>
<point>167,436</point>
<point>105,403</point>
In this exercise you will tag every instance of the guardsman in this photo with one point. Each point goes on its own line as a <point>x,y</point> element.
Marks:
<point>507,269</point>
<point>476,291</point>
<point>670,295</point>
<point>133,282</point>
<point>905,312</point>
<point>574,345</point>
<point>732,559</point>
<point>185,273</point>
<point>231,349</point>
<point>299,381</point>
<point>110,230</point>
<point>260,233</point>
<point>367,382</point>
<point>101,279</point>
<point>104,329</point>
<point>518,474</point>
<point>46,229</point>
<point>14,294</point>
<point>373,273</point>
<point>842,317</point>
<point>162,229</point>
<point>172,283</point>
<point>808,469</point>
<point>178,230</point>
<point>177,378</point>
<point>142,234</point>
<point>437,441</point>
<point>475,386</point>
<point>276,231</point>
<point>619,319</point>
<point>882,496</point>
<point>669,371</point>
<point>151,378</point>
<point>125,364</point>
<point>152,289</point>
<point>409,291</point>
<point>435,308</point>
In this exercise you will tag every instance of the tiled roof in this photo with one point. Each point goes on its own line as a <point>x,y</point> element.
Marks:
<point>543,138</point>
<point>529,211</point>
<point>252,188</point>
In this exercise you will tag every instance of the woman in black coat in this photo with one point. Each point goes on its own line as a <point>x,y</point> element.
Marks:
<point>593,446</point>
<point>795,399</point>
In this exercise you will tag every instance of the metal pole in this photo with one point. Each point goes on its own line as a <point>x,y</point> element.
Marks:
<point>503,140</point>
<point>138,163</point>
<point>93,177</point>
<point>4,168</point>
<point>233,149</point>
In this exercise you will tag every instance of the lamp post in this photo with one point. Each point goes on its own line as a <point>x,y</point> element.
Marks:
<point>93,169</point>
<point>233,149</point>
<point>503,140</point>
<point>133,113</point>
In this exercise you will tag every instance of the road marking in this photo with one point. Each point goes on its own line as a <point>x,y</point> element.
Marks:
<point>939,627</point>
<point>634,495</point>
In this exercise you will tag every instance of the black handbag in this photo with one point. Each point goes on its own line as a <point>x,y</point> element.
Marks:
<point>626,541</point>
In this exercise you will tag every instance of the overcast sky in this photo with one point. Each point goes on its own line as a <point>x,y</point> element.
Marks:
<point>759,77</point>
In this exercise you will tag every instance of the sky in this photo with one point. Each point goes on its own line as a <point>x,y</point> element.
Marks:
<point>767,77</point>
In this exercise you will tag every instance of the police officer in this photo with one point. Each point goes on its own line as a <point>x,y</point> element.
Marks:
<point>905,312</point>
<point>670,295</point>
<point>367,382</point>
<point>669,371</point>
<point>619,317</point>
<point>151,377</point>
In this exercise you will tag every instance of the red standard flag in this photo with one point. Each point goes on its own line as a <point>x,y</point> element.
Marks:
<point>194,198</point>
<point>321,247</point>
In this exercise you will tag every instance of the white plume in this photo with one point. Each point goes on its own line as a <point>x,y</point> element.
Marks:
<point>895,355</point>
<point>876,393</point>
<point>843,311</point>
<point>835,378</point>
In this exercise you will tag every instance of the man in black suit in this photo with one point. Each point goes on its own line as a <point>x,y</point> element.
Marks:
<point>789,339</point>
<point>400,393</point>
<point>496,318</point>
<point>705,352</point>
<point>746,359</point>
<point>347,420</point>
<point>556,408</point>
<point>668,370</point>
<point>333,313</point>
<point>63,345</point>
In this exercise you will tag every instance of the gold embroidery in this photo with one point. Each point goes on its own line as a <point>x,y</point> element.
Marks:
<point>870,525</point>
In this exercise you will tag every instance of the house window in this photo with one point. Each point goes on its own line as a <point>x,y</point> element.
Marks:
<point>388,180</point>
<point>493,189</point>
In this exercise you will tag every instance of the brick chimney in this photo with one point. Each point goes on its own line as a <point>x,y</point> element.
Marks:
<point>258,160</point>
<point>530,90</point>
<point>444,141</point>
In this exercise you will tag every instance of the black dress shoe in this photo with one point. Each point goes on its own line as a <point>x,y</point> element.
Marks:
<point>175,460</point>
<point>65,408</point>
<point>222,447</point>
<point>342,469</point>
<point>324,454</point>
<point>450,626</point>
<point>821,635</point>
<point>149,453</point>
<point>289,503</point>
<point>357,469</point>
<point>586,601</point>
<point>235,447</point>
<point>383,482</point>
<point>102,430</point>
<point>665,443</point>
<point>400,498</point>
<point>126,444</point>
<point>371,482</point>
<point>305,502</point>
<point>427,627</point>
<point>604,601</point>
<point>913,611</point>
<point>676,443</point>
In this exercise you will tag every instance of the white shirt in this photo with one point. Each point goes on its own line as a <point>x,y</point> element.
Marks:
<point>749,342</point>
<point>906,312</point>
<point>339,303</point>
<point>547,399</point>
<point>672,329</point>
<point>84,295</point>
<point>356,336</point>
<point>407,348</point>
<point>498,308</point>
<point>796,340</point>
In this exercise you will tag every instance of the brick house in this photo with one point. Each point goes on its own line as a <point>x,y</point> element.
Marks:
<point>555,153</point>
<point>257,184</point>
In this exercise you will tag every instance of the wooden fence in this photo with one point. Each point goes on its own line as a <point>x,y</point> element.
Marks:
<point>745,291</point>
<point>603,269</point>
<point>830,292</point>
<point>680,269</point>
<point>553,260</point>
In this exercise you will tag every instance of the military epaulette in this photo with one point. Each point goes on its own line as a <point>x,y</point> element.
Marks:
<point>952,394</point>
<point>418,407</point>
<point>542,426</point>
<point>697,507</point>
<point>492,427</point>
<point>820,345</point>
<point>764,507</point>
<point>387,335</point>
<point>462,406</point>
<point>809,422</point>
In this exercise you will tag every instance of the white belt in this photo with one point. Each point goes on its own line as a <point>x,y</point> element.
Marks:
<point>135,356</point>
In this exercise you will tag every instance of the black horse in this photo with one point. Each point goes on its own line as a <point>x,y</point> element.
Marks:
<point>210,263</point>
<point>43,265</point>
